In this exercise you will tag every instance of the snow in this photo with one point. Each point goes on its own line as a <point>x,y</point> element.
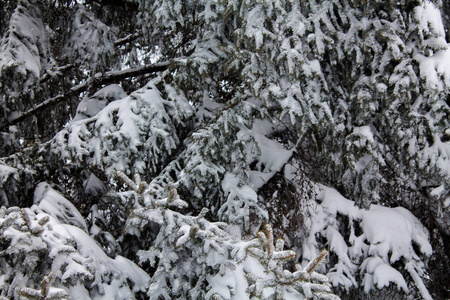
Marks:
<point>90,41</point>
<point>135,133</point>
<point>419,233</point>
<point>337,244</point>
<point>437,155</point>
<point>434,67</point>
<point>234,230</point>
<point>62,214</point>
<point>381,275</point>
<point>255,25</point>
<point>94,186</point>
<point>387,237</point>
<point>362,163</point>
<point>6,172</point>
<point>438,191</point>
<point>388,232</point>
<point>270,156</point>
<point>207,109</point>
<point>26,31</point>
<point>78,292</point>
<point>57,206</point>
<point>273,156</point>
<point>231,285</point>
<point>334,203</point>
<point>120,268</point>
<point>365,132</point>
<point>129,134</point>
<point>90,106</point>
<point>430,15</point>
<point>240,197</point>
<point>418,281</point>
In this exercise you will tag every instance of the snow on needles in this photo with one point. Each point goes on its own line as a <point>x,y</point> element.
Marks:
<point>43,239</point>
<point>433,66</point>
<point>386,236</point>
<point>26,42</point>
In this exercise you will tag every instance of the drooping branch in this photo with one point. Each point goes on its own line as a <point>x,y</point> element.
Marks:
<point>96,80</point>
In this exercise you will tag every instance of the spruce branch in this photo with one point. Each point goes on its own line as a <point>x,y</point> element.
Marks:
<point>28,226</point>
<point>142,188</point>
<point>10,218</point>
<point>137,185</point>
<point>269,252</point>
<point>216,297</point>
<point>55,72</point>
<point>47,292</point>
<point>127,39</point>
<point>273,257</point>
<point>92,82</point>
<point>316,261</point>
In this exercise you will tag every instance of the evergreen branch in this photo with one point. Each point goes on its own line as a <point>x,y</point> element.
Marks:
<point>269,234</point>
<point>141,187</point>
<point>272,257</point>
<point>134,185</point>
<point>316,261</point>
<point>55,72</point>
<point>129,38</point>
<point>26,218</point>
<point>216,297</point>
<point>46,291</point>
<point>10,218</point>
<point>35,230</point>
<point>93,81</point>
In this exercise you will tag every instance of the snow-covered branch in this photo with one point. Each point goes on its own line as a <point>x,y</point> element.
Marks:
<point>55,72</point>
<point>96,80</point>
<point>127,39</point>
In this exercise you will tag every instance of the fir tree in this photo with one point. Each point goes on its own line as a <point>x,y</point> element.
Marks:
<point>251,110</point>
